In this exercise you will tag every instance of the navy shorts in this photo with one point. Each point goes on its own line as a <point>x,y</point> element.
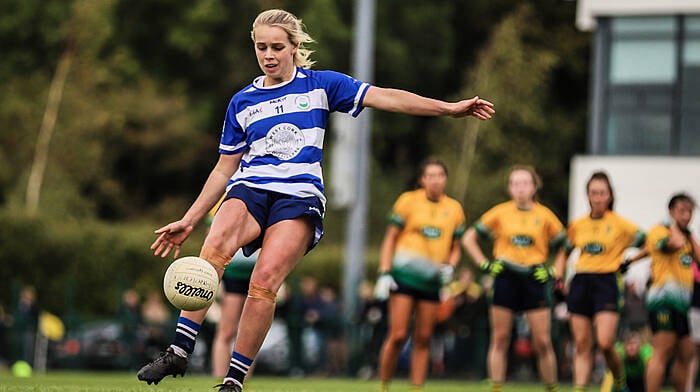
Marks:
<point>235,285</point>
<point>521,292</point>
<point>669,320</point>
<point>417,294</point>
<point>590,293</point>
<point>268,208</point>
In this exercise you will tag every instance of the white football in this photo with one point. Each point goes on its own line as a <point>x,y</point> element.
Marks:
<point>190,283</point>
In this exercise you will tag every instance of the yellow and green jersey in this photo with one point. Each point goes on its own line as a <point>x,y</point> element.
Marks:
<point>602,241</point>
<point>241,267</point>
<point>671,273</point>
<point>428,230</point>
<point>521,237</point>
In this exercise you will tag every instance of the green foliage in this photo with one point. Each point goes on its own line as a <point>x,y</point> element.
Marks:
<point>142,107</point>
<point>518,70</point>
<point>77,265</point>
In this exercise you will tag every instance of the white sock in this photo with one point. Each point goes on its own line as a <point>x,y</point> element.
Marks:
<point>179,351</point>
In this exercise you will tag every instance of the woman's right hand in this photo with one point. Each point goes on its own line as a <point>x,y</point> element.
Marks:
<point>171,236</point>
<point>385,283</point>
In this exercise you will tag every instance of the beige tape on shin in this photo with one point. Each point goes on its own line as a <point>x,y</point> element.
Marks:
<point>215,257</point>
<point>258,292</point>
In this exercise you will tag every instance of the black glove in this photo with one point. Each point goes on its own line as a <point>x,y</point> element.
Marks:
<point>624,266</point>
<point>559,294</point>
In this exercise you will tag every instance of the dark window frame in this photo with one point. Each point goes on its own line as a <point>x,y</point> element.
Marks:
<point>603,90</point>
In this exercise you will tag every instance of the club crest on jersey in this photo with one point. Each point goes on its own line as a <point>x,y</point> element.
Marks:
<point>284,141</point>
<point>593,248</point>
<point>522,240</point>
<point>686,260</point>
<point>430,232</point>
<point>303,102</point>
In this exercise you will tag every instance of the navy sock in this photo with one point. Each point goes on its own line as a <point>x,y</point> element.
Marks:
<point>186,333</point>
<point>238,369</point>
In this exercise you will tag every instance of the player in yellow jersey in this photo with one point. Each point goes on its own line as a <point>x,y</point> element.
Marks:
<point>673,250</point>
<point>595,298</point>
<point>524,232</point>
<point>418,255</point>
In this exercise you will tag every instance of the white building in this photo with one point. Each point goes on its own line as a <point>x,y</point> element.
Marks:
<point>644,125</point>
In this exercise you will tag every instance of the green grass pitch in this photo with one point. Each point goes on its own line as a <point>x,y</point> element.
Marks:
<point>127,382</point>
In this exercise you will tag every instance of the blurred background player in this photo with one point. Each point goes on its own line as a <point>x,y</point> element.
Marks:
<point>524,233</point>
<point>634,353</point>
<point>694,320</point>
<point>594,295</point>
<point>672,250</point>
<point>235,283</point>
<point>418,255</point>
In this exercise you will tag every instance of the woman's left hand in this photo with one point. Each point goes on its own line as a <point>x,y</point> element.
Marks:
<point>477,107</point>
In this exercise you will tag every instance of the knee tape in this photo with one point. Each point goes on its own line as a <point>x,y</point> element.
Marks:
<point>258,292</point>
<point>215,257</point>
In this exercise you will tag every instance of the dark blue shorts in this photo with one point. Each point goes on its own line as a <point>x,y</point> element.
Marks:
<point>520,292</point>
<point>669,320</point>
<point>269,207</point>
<point>235,285</point>
<point>417,294</point>
<point>591,293</point>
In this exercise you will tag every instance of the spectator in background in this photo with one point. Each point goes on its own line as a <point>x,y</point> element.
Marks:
<point>132,325</point>
<point>468,325</point>
<point>26,320</point>
<point>373,326</point>
<point>156,316</point>
<point>4,324</point>
<point>312,338</point>
<point>634,353</point>
<point>634,311</point>
<point>331,326</point>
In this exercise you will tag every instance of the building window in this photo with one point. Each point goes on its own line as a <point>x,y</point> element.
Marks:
<point>689,142</point>
<point>648,100</point>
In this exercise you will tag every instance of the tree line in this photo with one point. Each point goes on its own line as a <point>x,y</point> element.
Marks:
<point>143,86</point>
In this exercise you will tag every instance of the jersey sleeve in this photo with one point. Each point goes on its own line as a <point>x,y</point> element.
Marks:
<point>233,139</point>
<point>569,242</point>
<point>399,212</point>
<point>637,236</point>
<point>555,231</point>
<point>488,223</point>
<point>460,227</point>
<point>657,239</point>
<point>345,94</point>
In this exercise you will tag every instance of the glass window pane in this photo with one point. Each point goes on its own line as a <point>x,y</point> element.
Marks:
<point>689,143</point>
<point>639,133</point>
<point>646,25</point>
<point>691,52</point>
<point>692,24</point>
<point>642,61</point>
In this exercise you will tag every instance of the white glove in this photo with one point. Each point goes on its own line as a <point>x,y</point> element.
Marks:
<point>447,274</point>
<point>385,283</point>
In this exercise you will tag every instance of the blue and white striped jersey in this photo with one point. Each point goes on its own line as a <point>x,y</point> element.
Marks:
<point>280,129</point>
